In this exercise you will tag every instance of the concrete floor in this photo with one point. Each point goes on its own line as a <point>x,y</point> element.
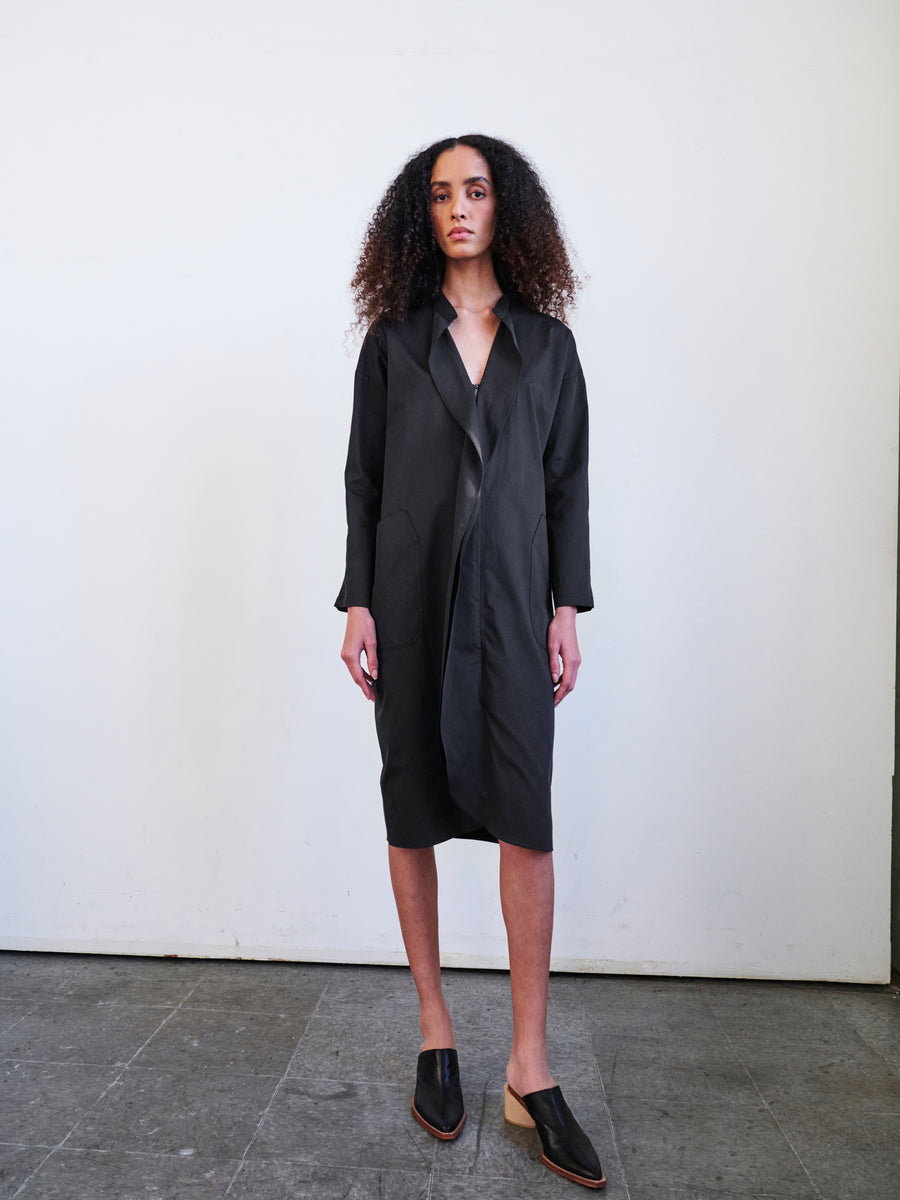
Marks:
<point>130,1077</point>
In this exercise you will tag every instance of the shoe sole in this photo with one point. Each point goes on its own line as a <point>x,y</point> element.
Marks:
<point>591,1183</point>
<point>438,1133</point>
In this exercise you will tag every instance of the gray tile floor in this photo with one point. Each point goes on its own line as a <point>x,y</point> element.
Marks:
<point>134,1078</point>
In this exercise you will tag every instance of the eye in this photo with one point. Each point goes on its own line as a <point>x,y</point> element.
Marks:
<point>477,194</point>
<point>439,197</point>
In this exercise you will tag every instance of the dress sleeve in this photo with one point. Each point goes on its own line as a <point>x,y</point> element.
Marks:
<point>566,488</point>
<point>364,473</point>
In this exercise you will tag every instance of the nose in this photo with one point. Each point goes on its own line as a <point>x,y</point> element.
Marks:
<point>457,207</point>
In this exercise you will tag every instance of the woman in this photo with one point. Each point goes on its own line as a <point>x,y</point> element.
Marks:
<point>467,561</point>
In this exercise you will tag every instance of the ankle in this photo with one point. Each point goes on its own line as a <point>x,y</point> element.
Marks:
<point>529,1072</point>
<point>437,1029</point>
<point>437,1039</point>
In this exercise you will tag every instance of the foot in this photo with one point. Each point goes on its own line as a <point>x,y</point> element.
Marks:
<point>567,1150</point>
<point>438,1101</point>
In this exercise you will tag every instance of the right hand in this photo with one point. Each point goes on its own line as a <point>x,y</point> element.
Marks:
<point>360,639</point>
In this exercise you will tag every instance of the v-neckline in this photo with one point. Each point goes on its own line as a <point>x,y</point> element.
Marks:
<point>481,420</point>
<point>472,383</point>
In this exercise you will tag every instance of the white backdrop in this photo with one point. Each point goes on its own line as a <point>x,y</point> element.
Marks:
<point>184,766</point>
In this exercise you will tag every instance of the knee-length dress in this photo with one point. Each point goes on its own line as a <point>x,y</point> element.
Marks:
<point>467,519</point>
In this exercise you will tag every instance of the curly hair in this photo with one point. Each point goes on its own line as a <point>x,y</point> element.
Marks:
<point>401,266</point>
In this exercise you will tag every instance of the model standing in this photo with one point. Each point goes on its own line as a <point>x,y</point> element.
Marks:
<point>467,561</point>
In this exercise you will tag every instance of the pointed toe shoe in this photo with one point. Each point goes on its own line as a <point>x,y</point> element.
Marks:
<point>438,1102</point>
<point>567,1149</point>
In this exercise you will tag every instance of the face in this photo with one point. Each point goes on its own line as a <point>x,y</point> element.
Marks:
<point>462,203</point>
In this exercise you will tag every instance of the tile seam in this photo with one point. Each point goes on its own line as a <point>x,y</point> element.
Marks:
<point>611,1125</point>
<point>99,1100</point>
<point>768,1107</point>
<point>278,1087</point>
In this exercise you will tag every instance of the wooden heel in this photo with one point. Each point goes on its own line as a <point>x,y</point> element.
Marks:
<point>514,1110</point>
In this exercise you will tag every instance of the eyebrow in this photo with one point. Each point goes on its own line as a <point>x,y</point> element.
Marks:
<point>466,182</point>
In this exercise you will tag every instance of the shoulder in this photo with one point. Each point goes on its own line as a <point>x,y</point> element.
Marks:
<point>542,337</point>
<point>389,343</point>
<point>532,323</point>
<point>408,330</point>
<point>415,319</point>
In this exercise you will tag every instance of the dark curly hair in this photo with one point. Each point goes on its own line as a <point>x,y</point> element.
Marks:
<point>401,266</point>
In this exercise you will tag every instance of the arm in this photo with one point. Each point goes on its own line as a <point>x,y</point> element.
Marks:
<point>566,489</point>
<point>363,481</point>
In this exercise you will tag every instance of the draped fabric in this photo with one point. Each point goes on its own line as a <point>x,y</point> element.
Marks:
<point>467,524</point>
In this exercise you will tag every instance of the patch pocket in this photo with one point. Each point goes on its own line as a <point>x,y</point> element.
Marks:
<point>541,602</point>
<point>397,590</point>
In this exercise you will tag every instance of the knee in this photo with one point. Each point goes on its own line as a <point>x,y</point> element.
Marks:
<point>522,854</point>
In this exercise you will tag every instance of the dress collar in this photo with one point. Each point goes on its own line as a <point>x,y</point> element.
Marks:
<point>444,309</point>
<point>445,313</point>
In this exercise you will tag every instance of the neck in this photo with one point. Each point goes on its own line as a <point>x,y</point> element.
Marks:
<point>471,285</point>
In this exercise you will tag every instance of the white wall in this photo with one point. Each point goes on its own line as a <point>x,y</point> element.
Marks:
<point>184,766</point>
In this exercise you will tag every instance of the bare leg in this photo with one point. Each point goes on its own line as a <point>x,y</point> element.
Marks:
<point>526,895</point>
<point>414,879</point>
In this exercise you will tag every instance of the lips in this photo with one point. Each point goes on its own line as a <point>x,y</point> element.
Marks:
<point>459,233</point>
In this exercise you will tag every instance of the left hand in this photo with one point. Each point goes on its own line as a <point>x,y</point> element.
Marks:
<point>565,657</point>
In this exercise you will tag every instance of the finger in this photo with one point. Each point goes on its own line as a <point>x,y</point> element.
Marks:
<point>366,685</point>
<point>372,658</point>
<point>360,678</point>
<point>357,674</point>
<point>556,669</point>
<point>562,691</point>
<point>569,678</point>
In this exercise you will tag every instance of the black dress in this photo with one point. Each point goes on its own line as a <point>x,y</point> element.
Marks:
<point>467,525</point>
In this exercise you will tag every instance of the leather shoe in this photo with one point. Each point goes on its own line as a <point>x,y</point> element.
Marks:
<point>567,1148</point>
<point>438,1102</point>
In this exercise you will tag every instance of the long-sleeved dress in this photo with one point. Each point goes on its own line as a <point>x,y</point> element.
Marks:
<point>467,515</point>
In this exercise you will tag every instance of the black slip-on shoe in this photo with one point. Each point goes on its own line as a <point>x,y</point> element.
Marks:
<point>567,1149</point>
<point>438,1102</point>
